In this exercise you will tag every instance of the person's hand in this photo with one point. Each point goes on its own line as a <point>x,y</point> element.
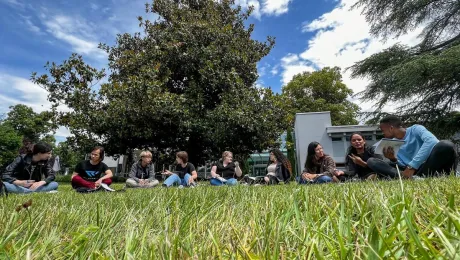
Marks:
<point>167,172</point>
<point>236,164</point>
<point>308,176</point>
<point>389,153</point>
<point>191,180</point>
<point>98,183</point>
<point>27,183</point>
<point>36,185</point>
<point>141,182</point>
<point>408,173</point>
<point>338,173</point>
<point>357,160</point>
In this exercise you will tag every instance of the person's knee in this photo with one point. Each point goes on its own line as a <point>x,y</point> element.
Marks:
<point>107,181</point>
<point>131,183</point>
<point>324,179</point>
<point>232,182</point>
<point>53,185</point>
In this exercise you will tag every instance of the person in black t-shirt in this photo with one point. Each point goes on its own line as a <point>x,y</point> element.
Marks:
<point>91,173</point>
<point>185,173</point>
<point>225,171</point>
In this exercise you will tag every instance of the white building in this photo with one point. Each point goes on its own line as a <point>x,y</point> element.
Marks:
<point>335,140</point>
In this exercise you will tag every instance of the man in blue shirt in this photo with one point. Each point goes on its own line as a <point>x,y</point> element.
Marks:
<point>421,154</point>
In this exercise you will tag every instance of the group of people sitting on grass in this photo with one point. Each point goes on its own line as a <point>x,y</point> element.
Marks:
<point>422,154</point>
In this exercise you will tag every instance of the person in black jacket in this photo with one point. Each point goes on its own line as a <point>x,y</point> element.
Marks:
<point>24,174</point>
<point>357,155</point>
<point>142,174</point>
<point>278,168</point>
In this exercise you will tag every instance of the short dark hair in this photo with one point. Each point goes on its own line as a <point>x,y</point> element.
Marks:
<point>183,156</point>
<point>41,148</point>
<point>101,152</point>
<point>391,120</point>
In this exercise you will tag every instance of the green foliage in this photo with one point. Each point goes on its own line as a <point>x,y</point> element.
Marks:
<point>423,80</point>
<point>317,91</point>
<point>351,221</point>
<point>68,155</point>
<point>28,124</point>
<point>187,83</point>
<point>10,142</point>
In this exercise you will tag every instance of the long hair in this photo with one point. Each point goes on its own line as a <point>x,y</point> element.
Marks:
<point>309,164</point>
<point>351,150</point>
<point>281,158</point>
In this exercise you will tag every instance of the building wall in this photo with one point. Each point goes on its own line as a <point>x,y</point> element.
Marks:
<point>311,127</point>
<point>335,140</point>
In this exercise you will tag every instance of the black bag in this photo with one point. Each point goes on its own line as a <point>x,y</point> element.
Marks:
<point>3,190</point>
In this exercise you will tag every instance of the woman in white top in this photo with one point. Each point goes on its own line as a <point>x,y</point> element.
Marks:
<point>278,168</point>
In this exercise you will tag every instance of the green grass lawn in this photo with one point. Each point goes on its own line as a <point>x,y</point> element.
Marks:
<point>356,220</point>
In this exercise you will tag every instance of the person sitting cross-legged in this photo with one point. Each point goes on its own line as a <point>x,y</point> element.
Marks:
<point>225,171</point>
<point>319,167</point>
<point>184,175</point>
<point>422,154</point>
<point>24,174</point>
<point>278,169</point>
<point>142,174</point>
<point>90,174</point>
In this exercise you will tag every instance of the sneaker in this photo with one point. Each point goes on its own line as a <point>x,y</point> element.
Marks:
<point>106,187</point>
<point>193,185</point>
<point>181,186</point>
<point>52,191</point>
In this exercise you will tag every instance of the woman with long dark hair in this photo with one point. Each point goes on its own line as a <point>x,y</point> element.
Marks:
<point>319,167</point>
<point>278,168</point>
<point>357,155</point>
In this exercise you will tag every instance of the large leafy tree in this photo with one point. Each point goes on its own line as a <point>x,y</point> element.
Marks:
<point>29,124</point>
<point>10,141</point>
<point>186,83</point>
<point>317,91</point>
<point>423,80</point>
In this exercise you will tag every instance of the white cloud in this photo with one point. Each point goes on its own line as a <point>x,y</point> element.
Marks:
<point>25,92</point>
<point>275,7</point>
<point>94,6</point>
<point>275,70</point>
<point>75,32</point>
<point>245,4</point>
<point>293,65</point>
<point>342,38</point>
<point>265,7</point>
<point>14,3</point>
<point>16,90</point>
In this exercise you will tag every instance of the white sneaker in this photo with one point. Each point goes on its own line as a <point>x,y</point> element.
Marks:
<point>106,187</point>
<point>181,186</point>
<point>53,191</point>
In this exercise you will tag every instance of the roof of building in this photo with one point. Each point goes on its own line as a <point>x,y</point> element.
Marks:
<point>351,128</point>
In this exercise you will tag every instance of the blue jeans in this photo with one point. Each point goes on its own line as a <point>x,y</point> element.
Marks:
<point>176,180</point>
<point>13,188</point>
<point>319,180</point>
<point>230,182</point>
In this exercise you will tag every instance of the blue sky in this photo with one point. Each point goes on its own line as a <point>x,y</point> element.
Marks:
<point>310,34</point>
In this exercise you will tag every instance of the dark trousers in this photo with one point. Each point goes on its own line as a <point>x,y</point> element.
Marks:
<point>442,160</point>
